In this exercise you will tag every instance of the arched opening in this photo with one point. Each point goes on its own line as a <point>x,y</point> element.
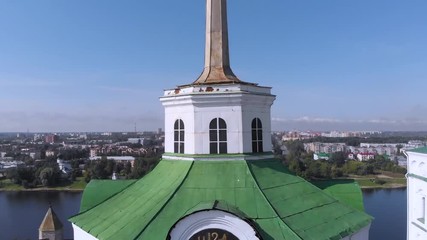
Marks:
<point>212,224</point>
<point>257,136</point>
<point>217,136</point>
<point>178,136</point>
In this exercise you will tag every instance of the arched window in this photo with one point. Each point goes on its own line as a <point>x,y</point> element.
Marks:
<point>257,136</point>
<point>218,136</point>
<point>178,136</point>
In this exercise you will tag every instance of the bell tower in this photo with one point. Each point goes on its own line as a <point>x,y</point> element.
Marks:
<point>218,113</point>
<point>218,178</point>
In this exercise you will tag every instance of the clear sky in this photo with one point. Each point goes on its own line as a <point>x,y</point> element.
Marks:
<point>98,65</point>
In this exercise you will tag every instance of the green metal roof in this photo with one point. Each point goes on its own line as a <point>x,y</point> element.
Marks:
<point>322,154</point>
<point>97,191</point>
<point>344,190</point>
<point>277,203</point>
<point>419,150</point>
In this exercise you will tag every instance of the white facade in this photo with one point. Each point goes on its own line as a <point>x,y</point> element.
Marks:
<point>80,234</point>
<point>236,104</point>
<point>417,195</point>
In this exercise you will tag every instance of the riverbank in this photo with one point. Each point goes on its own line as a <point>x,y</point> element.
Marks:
<point>381,180</point>
<point>76,186</point>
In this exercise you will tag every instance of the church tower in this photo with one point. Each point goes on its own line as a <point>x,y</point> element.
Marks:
<point>51,227</point>
<point>217,113</point>
<point>218,178</point>
<point>417,194</point>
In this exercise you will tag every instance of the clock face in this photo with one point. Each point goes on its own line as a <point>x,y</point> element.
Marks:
<point>213,234</point>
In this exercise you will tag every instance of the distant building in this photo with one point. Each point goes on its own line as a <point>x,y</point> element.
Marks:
<point>321,156</point>
<point>64,166</point>
<point>402,161</point>
<point>365,156</point>
<point>117,159</point>
<point>417,194</point>
<point>318,147</point>
<point>137,140</point>
<point>93,152</point>
<point>50,153</point>
<point>51,138</point>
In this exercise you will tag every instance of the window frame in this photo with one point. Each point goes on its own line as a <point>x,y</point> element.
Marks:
<point>179,136</point>
<point>257,136</point>
<point>218,136</point>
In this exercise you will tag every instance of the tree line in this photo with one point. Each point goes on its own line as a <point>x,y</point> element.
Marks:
<point>302,164</point>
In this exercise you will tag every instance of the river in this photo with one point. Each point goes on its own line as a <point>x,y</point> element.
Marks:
<point>22,212</point>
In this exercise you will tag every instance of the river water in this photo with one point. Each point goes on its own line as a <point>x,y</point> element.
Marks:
<point>22,212</point>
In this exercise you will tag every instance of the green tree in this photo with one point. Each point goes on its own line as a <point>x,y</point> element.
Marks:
<point>49,176</point>
<point>338,158</point>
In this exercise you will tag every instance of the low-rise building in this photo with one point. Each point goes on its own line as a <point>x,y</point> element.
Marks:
<point>365,156</point>
<point>117,159</point>
<point>321,156</point>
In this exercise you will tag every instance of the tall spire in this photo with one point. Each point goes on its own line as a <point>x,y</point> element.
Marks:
<point>217,61</point>
<point>51,227</point>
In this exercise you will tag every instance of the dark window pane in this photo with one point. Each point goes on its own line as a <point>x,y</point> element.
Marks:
<point>260,148</point>
<point>259,135</point>
<point>223,135</point>
<point>175,136</point>
<point>222,124</point>
<point>213,124</point>
<point>175,147</point>
<point>181,148</point>
<point>213,136</point>
<point>181,136</point>
<point>213,148</point>
<point>181,124</point>
<point>254,123</point>
<point>259,123</point>
<point>223,147</point>
<point>175,125</point>
<point>254,135</point>
<point>254,147</point>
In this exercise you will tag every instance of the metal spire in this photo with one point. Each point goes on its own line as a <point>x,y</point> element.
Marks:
<point>217,61</point>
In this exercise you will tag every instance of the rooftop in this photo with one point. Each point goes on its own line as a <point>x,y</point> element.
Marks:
<point>277,203</point>
<point>419,150</point>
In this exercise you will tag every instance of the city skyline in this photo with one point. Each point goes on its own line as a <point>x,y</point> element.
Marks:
<point>101,66</point>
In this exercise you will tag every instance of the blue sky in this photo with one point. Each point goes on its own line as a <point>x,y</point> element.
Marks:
<point>101,65</point>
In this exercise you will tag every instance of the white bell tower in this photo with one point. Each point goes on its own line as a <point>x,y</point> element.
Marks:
<point>217,113</point>
<point>417,194</point>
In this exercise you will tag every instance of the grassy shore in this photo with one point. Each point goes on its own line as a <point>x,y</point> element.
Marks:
<point>78,185</point>
<point>382,180</point>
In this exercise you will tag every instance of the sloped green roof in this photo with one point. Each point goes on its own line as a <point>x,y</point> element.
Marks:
<point>419,150</point>
<point>97,191</point>
<point>344,190</point>
<point>278,204</point>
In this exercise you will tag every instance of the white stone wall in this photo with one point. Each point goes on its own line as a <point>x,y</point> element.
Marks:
<point>51,235</point>
<point>417,196</point>
<point>237,107</point>
<point>80,234</point>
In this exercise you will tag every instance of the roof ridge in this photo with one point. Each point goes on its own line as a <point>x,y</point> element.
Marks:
<point>268,202</point>
<point>166,203</point>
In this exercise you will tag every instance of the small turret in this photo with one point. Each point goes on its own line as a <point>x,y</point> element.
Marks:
<point>51,227</point>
